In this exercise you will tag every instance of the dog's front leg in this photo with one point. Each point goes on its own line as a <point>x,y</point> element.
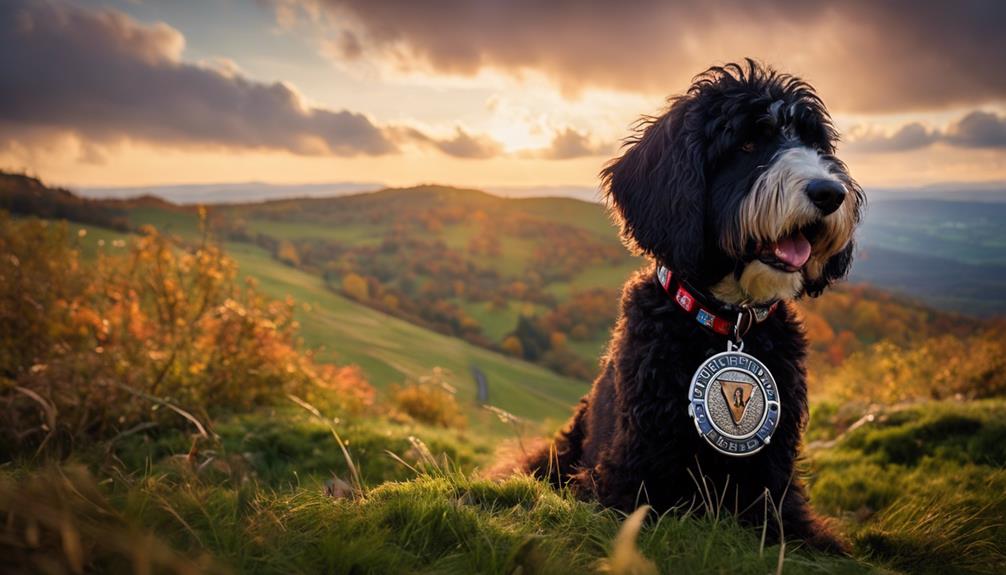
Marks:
<point>616,485</point>
<point>647,415</point>
<point>619,477</point>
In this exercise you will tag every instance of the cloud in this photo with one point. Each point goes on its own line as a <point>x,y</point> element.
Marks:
<point>461,145</point>
<point>977,129</point>
<point>465,145</point>
<point>864,56</point>
<point>909,137</point>
<point>569,144</point>
<point>346,47</point>
<point>104,78</point>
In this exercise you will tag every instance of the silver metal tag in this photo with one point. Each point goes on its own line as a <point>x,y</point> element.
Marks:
<point>734,402</point>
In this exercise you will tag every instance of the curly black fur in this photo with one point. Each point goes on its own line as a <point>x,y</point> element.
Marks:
<point>675,191</point>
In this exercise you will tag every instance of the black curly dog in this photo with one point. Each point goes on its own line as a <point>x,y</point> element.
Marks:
<point>736,189</point>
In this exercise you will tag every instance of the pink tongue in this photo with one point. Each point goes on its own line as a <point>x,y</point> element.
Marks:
<point>793,250</point>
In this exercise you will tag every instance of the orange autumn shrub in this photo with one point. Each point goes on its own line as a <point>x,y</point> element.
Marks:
<point>430,400</point>
<point>89,351</point>
<point>941,367</point>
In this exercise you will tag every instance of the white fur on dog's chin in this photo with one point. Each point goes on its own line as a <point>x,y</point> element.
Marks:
<point>759,283</point>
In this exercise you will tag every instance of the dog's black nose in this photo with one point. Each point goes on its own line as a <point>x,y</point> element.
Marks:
<point>827,195</point>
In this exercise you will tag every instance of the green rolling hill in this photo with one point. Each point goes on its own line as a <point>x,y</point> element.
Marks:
<point>389,350</point>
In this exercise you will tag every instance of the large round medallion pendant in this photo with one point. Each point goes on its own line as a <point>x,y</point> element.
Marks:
<point>734,402</point>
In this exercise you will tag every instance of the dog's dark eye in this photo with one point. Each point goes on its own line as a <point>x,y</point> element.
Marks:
<point>747,147</point>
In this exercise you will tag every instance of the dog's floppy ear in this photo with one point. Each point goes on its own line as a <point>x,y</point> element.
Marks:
<point>657,189</point>
<point>836,268</point>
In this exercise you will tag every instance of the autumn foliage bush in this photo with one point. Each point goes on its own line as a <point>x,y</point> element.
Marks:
<point>940,367</point>
<point>92,350</point>
<point>430,400</point>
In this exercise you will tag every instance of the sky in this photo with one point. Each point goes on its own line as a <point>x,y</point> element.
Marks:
<point>471,93</point>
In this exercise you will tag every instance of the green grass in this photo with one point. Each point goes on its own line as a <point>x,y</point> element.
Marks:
<point>284,447</point>
<point>442,521</point>
<point>448,523</point>
<point>254,501</point>
<point>921,487</point>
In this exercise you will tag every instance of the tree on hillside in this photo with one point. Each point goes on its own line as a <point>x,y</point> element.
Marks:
<point>355,287</point>
<point>512,346</point>
<point>534,339</point>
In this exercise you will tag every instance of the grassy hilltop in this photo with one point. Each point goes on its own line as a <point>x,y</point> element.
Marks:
<point>203,399</point>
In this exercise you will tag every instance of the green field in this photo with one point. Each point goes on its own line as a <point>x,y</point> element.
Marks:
<point>391,350</point>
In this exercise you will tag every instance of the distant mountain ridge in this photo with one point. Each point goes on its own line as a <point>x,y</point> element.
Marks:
<point>984,192</point>
<point>244,192</point>
<point>232,192</point>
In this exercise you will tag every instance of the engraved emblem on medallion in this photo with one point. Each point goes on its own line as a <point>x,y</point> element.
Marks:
<point>734,403</point>
<point>737,394</point>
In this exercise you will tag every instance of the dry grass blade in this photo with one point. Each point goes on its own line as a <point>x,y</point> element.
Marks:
<point>50,410</point>
<point>357,481</point>
<point>395,456</point>
<point>516,424</point>
<point>166,506</point>
<point>777,512</point>
<point>50,414</point>
<point>764,527</point>
<point>139,427</point>
<point>625,557</point>
<point>169,405</point>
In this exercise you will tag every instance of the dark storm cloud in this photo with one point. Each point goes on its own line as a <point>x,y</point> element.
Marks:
<point>977,129</point>
<point>104,77</point>
<point>863,55</point>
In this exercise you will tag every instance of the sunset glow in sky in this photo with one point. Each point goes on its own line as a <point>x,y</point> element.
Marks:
<point>480,93</point>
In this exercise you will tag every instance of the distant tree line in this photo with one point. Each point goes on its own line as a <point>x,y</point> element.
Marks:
<point>26,196</point>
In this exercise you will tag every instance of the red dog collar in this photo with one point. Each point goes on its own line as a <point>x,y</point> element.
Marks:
<point>746,316</point>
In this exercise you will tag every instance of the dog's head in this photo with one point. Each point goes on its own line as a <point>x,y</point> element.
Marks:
<point>736,188</point>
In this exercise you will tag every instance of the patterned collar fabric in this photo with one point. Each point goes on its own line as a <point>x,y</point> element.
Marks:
<point>687,298</point>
